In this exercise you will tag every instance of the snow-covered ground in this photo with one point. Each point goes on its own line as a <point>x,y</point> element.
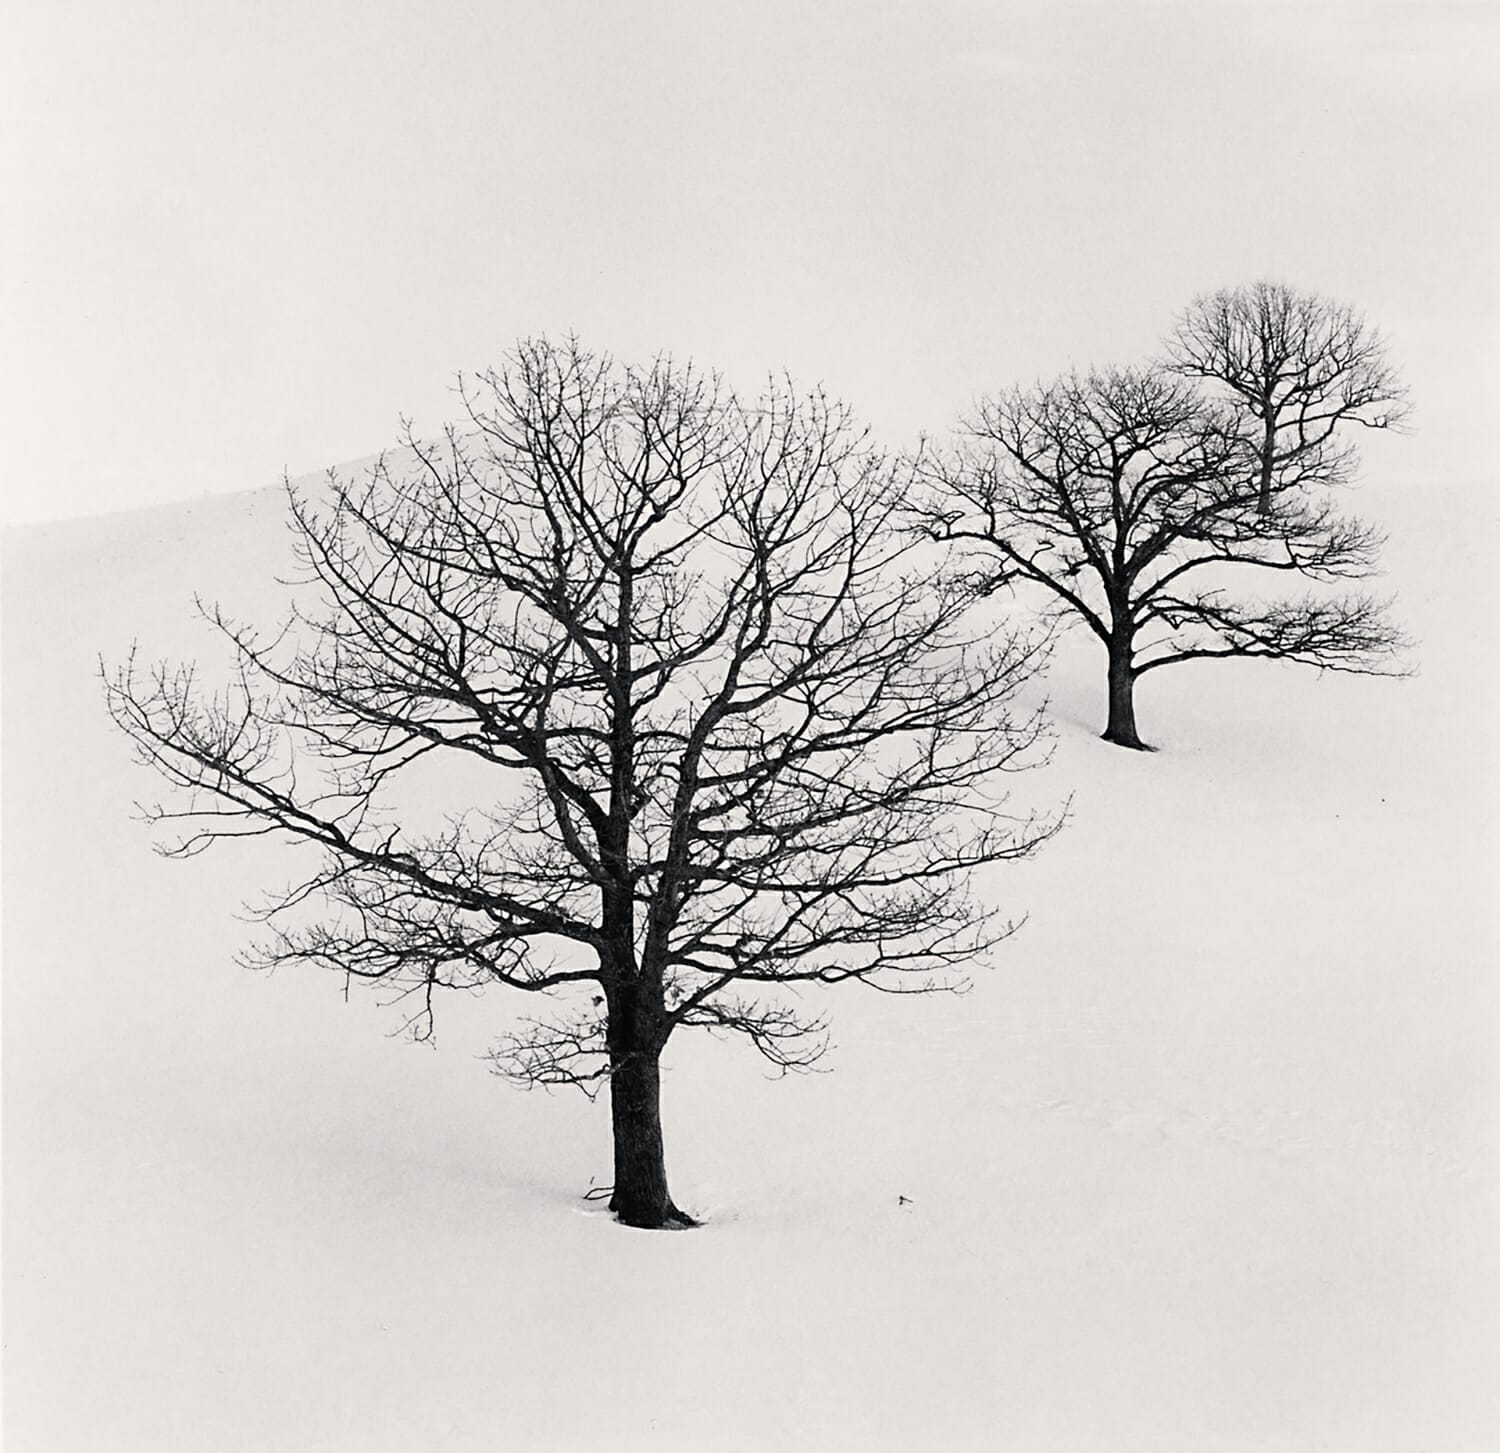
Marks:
<point>1207,1161</point>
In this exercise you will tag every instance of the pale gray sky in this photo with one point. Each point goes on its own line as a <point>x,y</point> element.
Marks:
<point>247,237</point>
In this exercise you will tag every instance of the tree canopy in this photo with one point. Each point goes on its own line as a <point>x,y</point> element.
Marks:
<point>1145,505</point>
<point>1302,366</point>
<point>717,727</point>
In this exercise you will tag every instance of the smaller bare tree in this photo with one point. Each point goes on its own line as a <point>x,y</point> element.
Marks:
<point>1302,366</point>
<point>1133,504</point>
<point>628,695</point>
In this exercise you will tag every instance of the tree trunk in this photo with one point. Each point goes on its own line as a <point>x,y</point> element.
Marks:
<point>1267,461</point>
<point>640,1194</point>
<point>1121,728</point>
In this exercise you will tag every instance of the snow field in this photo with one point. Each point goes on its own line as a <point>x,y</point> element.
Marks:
<point>1205,1160</point>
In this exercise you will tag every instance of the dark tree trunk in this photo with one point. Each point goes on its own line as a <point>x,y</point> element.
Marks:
<point>1267,461</point>
<point>1121,729</point>
<point>641,1197</point>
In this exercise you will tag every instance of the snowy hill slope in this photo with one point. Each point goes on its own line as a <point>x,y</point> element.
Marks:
<point>1206,1161</point>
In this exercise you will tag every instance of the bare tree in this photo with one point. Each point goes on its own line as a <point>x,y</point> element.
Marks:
<point>715,730</point>
<point>1134,504</point>
<point>1302,366</point>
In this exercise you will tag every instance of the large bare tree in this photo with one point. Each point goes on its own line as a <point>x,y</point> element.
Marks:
<point>1303,367</point>
<point>715,729</point>
<point>1132,502</point>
